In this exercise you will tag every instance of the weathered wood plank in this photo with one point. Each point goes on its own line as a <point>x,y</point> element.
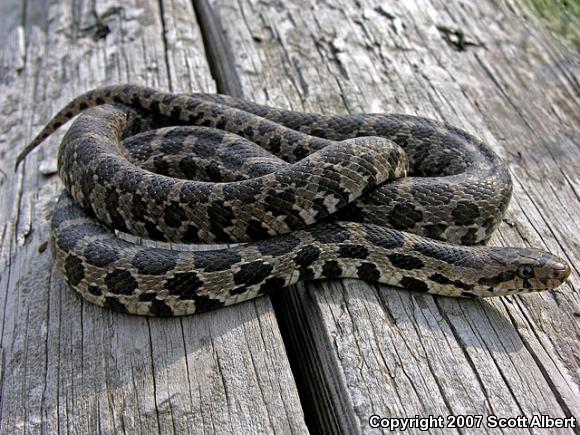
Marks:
<point>360,350</point>
<point>74,368</point>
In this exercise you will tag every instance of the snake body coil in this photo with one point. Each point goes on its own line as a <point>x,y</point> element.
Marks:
<point>314,197</point>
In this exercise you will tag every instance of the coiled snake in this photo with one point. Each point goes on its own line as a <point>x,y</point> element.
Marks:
<point>313,196</point>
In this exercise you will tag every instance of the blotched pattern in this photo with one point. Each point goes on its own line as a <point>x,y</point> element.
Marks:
<point>317,196</point>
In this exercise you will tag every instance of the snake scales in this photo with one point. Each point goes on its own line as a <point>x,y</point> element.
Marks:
<point>314,196</point>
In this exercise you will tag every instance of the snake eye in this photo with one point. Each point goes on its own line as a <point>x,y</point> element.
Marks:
<point>526,271</point>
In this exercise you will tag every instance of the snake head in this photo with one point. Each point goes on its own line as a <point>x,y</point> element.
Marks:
<point>525,270</point>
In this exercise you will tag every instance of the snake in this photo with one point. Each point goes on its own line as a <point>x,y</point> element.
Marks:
<point>391,199</point>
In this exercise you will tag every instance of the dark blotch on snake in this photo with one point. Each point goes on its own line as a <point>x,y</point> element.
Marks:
<point>442,279</point>
<point>274,145</point>
<point>174,215</point>
<point>252,273</point>
<point>331,269</point>
<point>221,124</point>
<point>216,111</point>
<point>117,221</point>
<point>130,90</point>
<point>414,284</point>
<point>154,262</point>
<point>121,281</point>
<point>188,167</point>
<point>462,285</point>
<point>74,269</point>
<point>207,122</point>
<point>176,112</point>
<point>216,261</point>
<point>160,308</point>
<point>147,297</point>
<point>470,237</point>
<point>94,290</point>
<point>493,281</point>
<point>191,234</point>
<point>368,272</point>
<point>154,106</point>
<point>406,262</point>
<point>465,213</point>
<point>195,117</point>
<point>307,255</point>
<point>221,217</point>
<point>100,254</point>
<point>292,219</point>
<point>434,231</point>
<point>300,152</point>
<point>318,132</point>
<point>184,285</point>
<point>214,173</point>
<point>154,232</point>
<point>204,303</point>
<point>138,206</point>
<point>353,251</point>
<point>404,216</point>
<point>256,231</point>
<point>248,133</point>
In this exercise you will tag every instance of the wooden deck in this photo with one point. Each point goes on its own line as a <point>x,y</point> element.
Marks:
<point>322,357</point>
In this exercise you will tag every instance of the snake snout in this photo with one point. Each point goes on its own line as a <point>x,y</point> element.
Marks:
<point>546,271</point>
<point>526,270</point>
<point>560,269</point>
